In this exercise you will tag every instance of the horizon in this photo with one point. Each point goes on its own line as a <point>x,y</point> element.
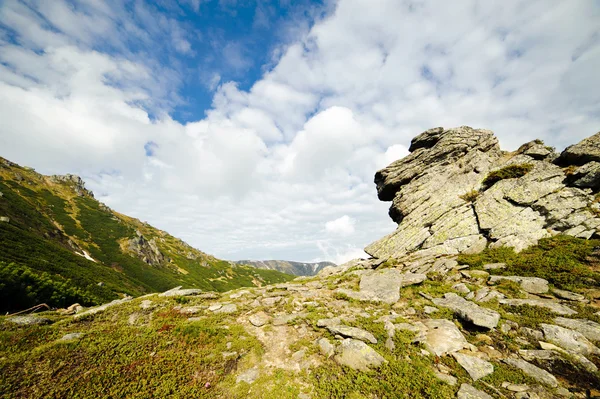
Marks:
<point>253,130</point>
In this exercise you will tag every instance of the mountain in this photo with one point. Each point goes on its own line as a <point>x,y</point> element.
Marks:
<point>289,267</point>
<point>434,313</point>
<point>59,245</point>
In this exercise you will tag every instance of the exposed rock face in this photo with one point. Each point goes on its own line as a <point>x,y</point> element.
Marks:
<point>74,180</point>
<point>442,205</point>
<point>146,250</point>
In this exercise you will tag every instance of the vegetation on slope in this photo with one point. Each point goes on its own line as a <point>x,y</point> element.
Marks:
<point>52,223</point>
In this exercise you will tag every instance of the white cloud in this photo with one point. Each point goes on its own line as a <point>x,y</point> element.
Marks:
<point>344,226</point>
<point>269,167</point>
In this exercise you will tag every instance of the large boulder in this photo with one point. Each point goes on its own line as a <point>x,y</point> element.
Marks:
<point>358,355</point>
<point>447,201</point>
<point>469,311</point>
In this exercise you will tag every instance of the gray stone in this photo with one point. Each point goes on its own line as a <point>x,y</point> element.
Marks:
<point>352,332</point>
<point>569,339</point>
<point>441,337</point>
<point>215,307</point>
<point>28,320</point>
<point>384,285</point>
<point>461,287</point>
<point>476,367</point>
<point>259,319</point>
<point>248,376</point>
<point>102,308</point>
<point>533,285</point>
<point>326,348</point>
<point>178,291</point>
<point>147,304</point>
<point>568,295</point>
<point>71,336</point>
<point>229,308</point>
<point>590,329</point>
<point>334,321</point>
<point>448,379</point>
<point>4,219</point>
<point>587,150</point>
<point>543,303</point>
<point>271,301</point>
<point>430,310</point>
<point>358,355</point>
<point>534,372</point>
<point>287,318</point>
<point>469,311</point>
<point>467,391</point>
<point>494,266</point>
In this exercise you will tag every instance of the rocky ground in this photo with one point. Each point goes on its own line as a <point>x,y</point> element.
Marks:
<point>449,330</point>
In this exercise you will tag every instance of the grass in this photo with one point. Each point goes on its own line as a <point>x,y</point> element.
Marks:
<point>562,260</point>
<point>507,172</point>
<point>470,196</point>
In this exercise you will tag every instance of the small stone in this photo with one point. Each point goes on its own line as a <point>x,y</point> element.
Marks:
<point>568,295</point>
<point>448,379</point>
<point>467,391</point>
<point>442,337</point>
<point>214,307</point>
<point>259,319</point>
<point>352,332</point>
<point>476,367</point>
<point>430,309</point>
<point>248,376</point>
<point>147,304</point>
<point>71,336</point>
<point>358,355</point>
<point>494,266</point>
<point>178,291</point>
<point>515,387</point>
<point>461,287</point>
<point>229,308</point>
<point>28,320</point>
<point>326,348</point>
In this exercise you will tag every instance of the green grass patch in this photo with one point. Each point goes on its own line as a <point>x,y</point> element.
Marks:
<point>507,172</point>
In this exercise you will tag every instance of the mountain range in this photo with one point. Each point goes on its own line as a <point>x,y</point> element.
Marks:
<point>289,267</point>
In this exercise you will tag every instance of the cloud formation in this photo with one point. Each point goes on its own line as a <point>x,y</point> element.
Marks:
<point>284,169</point>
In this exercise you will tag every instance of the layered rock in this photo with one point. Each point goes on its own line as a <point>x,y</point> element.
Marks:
<point>458,192</point>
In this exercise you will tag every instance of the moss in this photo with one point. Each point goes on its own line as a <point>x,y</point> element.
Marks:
<point>470,196</point>
<point>562,260</point>
<point>507,172</point>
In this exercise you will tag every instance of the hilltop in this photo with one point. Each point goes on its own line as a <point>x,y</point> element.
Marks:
<point>489,288</point>
<point>59,245</point>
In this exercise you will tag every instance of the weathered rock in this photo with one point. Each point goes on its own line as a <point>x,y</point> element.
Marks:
<point>448,379</point>
<point>248,376</point>
<point>533,285</point>
<point>461,287</point>
<point>442,208</point>
<point>384,285</point>
<point>287,318</point>
<point>259,319</point>
<point>467,391</point>
<point>178,291</point>
<point>476,367</point>
<point>569,339</point>
<point>71,336</point>
<point>494,266</point>
<point>469,311</point>
<point>146,250</point>
<point>568,295</point>
<point>441,337</point>
<point>587,150</point>
<point>326,348</point>
<point>352,332</point>
<point>590,329</point>
<point>101,308</point>
<point>358,355</point>
<point>29,320</point>
<point>534,372</point>
<point>226,309</point>
<point>543,303</point>
<point>567,355</point>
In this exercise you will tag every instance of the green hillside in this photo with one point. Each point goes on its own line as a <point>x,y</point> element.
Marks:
<point>58,245</point>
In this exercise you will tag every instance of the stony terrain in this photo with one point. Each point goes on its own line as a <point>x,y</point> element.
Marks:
<point>289,267</point>
<point>445,321</point>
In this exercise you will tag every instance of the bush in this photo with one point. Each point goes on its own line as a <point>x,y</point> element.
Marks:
<point>507,172</point>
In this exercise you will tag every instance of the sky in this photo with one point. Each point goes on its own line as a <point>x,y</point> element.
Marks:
<point>252,129</point>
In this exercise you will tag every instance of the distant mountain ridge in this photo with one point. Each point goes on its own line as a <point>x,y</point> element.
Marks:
<point>59,245</point>
<point>289,267</point>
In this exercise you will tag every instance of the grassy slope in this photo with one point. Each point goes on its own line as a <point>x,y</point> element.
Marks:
<point>45,215</point>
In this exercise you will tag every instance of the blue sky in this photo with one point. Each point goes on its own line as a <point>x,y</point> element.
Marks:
<point>252,130</point>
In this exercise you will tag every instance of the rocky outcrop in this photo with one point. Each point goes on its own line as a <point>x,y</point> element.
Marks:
<point>74,181</point>
<point>146,250</point>
<point>458,192</point>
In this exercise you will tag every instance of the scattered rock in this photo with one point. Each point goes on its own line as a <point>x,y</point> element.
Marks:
<point>467,391</point>
<point>534,372</point>
<point>384,285</point>
<point>326,348</point>
<point>71,336</point>
<point>461,287</point>
<point>29,320</point>
<point>494,266</point>
<point>533,285</point>
<point>590,329</point>
<point>469,311</point>
<point>515,387</point>
<point>102,308</point>
<point>259,319</point>
<point>147,304</point>
<point>569,339</point>
<point>441,337</point>
<point>215,307</point>
<point>271,301</point>
<point>229,308</point>
<point>476,367</point>
<point>543,303</point>
<point>357,355</point>
<point>248,376</point>
<point>430,310</point>
<point>448,379</point>
<point>568,295</point>
<point>352,332</point>
<point>178,291</point>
